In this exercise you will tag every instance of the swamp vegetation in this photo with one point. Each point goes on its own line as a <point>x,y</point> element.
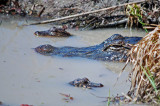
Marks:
<point>144,56</point>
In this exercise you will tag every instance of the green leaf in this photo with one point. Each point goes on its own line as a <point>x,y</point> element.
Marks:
<point>151,80</point>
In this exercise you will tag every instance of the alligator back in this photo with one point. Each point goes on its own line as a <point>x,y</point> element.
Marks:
<point>114,48</point>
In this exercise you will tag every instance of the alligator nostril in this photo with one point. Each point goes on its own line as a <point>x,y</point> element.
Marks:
<point>36,33</point>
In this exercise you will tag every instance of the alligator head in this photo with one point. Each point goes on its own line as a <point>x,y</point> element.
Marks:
<point>45,49</point>
<point>85,83</point>
<point>53,32</point>
<point>114,48</point>
<point>117,41</point>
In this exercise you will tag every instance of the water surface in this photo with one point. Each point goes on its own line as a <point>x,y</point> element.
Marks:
<point>30,78</point>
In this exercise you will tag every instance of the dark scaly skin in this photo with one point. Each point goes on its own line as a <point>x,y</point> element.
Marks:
<point>53,32</point>
<point>85,83</point>
<point>115,48</point>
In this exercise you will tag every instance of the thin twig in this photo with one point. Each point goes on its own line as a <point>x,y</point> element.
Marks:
<point>113,24</point>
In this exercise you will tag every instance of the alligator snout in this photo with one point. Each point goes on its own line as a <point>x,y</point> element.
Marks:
<point>43,33</point>
<point>36,33</point>
<point>53,32</point>
<point>45,49</point>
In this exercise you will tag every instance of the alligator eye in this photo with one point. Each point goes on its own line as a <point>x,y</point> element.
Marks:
<point>52,29</point>
<point>47,48</point>
<point>121,42</point>
<point>116,37</point>
<point>85,82</point>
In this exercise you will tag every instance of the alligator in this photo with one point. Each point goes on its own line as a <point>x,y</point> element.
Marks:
<point>53,32</point>
<point>84,83</point>
<point>115,48</point>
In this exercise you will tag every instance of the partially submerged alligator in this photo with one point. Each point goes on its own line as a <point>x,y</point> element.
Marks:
<point>85,83</point>
<point>53,32</point>
<point>115,48</point>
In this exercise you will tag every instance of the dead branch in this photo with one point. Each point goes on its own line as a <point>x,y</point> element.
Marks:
<point>112,24</point>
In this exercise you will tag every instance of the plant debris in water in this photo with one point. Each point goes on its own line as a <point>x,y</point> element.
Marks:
<point>67,98</point>
<point>145,75</point>
<point>112,99</point>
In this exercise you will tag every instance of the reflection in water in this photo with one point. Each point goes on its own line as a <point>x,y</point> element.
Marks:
<point>38,80</point>
<point>10,40</point>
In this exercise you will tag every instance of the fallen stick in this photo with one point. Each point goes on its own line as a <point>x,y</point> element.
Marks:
<point>151,26</point>
<point>148,27</point>
<point>85,13</point>
<point>112,24</point>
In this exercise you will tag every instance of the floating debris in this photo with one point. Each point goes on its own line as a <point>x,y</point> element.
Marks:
<point>85,83</point>
<point>112,99</point>
<point>1,103</point>
<point>67,98</point>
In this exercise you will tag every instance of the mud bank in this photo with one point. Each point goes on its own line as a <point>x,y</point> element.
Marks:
<point>60,8</point>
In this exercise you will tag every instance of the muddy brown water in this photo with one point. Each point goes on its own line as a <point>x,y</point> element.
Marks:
<point>30,78</point>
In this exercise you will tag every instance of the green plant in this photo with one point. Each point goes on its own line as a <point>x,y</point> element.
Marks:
<point>135,14</point>
<point>109,102</point>
<point>151,79</point>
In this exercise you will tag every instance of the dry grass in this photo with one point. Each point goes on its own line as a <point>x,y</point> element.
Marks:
<point>145,75</point>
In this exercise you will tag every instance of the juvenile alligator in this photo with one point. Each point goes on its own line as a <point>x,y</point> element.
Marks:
<point>53,32</point>
<point>114,48</point>
<point>85,83</point>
